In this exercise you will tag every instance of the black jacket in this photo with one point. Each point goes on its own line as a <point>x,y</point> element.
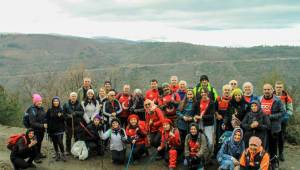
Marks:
<point>74,110</point>
<point>209,115</point>
<point>55,123</point>
<point>37,118</point>
<point>242,108</point>
<point>21,149</point>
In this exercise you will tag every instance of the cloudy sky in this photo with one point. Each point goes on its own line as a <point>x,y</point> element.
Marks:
<point>210,22</point>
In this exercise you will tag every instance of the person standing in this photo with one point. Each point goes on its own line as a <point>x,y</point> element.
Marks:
<point>90,106</point>
<point>153,94</point>
<point>124,99</point>
<point>287,102</point>
<point>82,91</point>
<point>174,84</point>
<point>204,83</point>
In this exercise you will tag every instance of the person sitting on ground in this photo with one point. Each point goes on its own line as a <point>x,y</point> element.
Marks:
<point>137,136</point>
<point>195,148</point>
<point>25,147</point>
<point>170,142</point>
<point>231,150</point>
<point>255,157</point>
<point>118,140</point>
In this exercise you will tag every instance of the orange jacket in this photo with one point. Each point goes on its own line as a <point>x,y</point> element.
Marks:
<point>249,158</point>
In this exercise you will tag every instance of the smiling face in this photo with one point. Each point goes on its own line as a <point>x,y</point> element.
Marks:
<point>133,121</point>
<point>111,95</point>
<point>254,107</point>
<point>73,98</point>
<point>174,80</point>
<point>102,92</point>
<point>193,130</point>
<point>115,125</point>
<point>190,95</point>
<point>86,82</point>
<point>237,136</point>
<point>96,122</point>
<point>204,83</point>
<point>182,85</point>
<point>226,91</point>
<point>39,104</point>
<point>238,97</point>
<point>153,85</point>
<point>55,103</point>
<point>31,134</point>
<point>247,90</point>
<point>90,95</point>
<point>166,126</point>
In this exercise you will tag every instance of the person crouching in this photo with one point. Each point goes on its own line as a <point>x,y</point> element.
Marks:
<point>170,142</point>
<point>118,138</point>
<point>195,148</point>
<point>137,136</point>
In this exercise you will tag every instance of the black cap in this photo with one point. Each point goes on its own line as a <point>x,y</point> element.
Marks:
<point>203,77</point>
<point>115,120</point>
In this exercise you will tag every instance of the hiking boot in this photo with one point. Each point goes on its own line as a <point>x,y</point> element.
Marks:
<point>63,157</point>
<point>281,157</point>
<point>37,160</point>
<point>57,157</point>
<point>31,165</point>
<point>42,156</point>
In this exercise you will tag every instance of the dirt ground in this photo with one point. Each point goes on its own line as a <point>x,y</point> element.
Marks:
<point>104,162</point>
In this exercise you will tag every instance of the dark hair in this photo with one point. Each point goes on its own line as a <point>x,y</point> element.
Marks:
<point>153,80</point>
<point>94,101</point>
<point>205,90</point>
<point>183,103</point>
<point>107,81</point>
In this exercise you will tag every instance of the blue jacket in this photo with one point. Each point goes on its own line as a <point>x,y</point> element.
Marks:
<point>188,110</point>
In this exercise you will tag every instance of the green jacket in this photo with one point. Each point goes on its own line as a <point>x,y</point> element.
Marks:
<point>213,94</point>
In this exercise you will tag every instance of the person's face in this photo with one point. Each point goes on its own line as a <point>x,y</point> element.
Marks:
<point>193,130</point>
<point>238,97</point>
<point>279,88</point>
<point>147,105</point>
<point>226,92</point>
<point>31,134</point>
<point>204,95</point>
<point>267,90</point>
<point>96,122</point>
<point>204,83</point>
<point>189,95</point>
<point>73,98</point>
<point>166,126</point>
<point>126,89</point>
<point>111,96</point>
<point>107,86</point>
<point>86,82</point>
<point>39,104</point>
<point>90,95</point>
<point>237,137</point>
<point>247,89</point>
<point>115,125</point>
<point>174,80</point>
<point>102,92</point>
<point>233,84</point>
<point>182,86</point>
<point>254,107</point>
<point>55,102</point>
<point>153,85</point>
<point>253,148</point>
<point>133,121</point>
<point>166,89</point>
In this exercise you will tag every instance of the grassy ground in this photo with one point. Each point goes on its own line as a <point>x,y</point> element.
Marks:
<point>104,162</point>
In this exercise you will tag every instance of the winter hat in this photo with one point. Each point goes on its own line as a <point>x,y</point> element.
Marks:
<point>56,97</point>
<point>165,85</point>
<point>115,120</point>
<point>167,121</point>
<point>257,104</point>
<point>236,91</point>
<point>73,94</point>
<point>36,98</point>
<point>90,91</point>
<point>97,116</point>
<point>203,77</point>
<point>132,116</point>
<point>255,140</point>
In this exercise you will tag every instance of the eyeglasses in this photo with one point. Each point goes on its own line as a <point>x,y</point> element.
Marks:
<point>233,83</point>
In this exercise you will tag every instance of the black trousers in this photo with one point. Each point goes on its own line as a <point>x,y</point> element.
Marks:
<point>19,162</point>
<point>58,143</point>
<point>69,135</point>
<point>155,139</point>
<point>281,140</point>
<point>118,157</point>
<point>138,151</point>
<point>273,144</point>
<point>39,137</point>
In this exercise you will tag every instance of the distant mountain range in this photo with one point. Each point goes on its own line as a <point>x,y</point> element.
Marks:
<point>137,62</point>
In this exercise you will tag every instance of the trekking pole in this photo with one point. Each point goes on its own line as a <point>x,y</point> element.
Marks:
<point>130,155</point>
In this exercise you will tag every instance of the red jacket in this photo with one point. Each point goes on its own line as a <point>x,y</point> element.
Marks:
<point>139,135</point>
<point>170,141</point>
<point>174,88</point>
<point>157,118</point>
<point>152,94</point>
<point>124,101</point>
<point>169,104</point>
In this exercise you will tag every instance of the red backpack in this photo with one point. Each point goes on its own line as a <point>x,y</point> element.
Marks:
<point>13,139</point>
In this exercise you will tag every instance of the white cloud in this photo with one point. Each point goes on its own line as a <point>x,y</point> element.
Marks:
<point>44,16</point>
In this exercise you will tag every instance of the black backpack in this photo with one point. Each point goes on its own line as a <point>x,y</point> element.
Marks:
<point>26,121</point>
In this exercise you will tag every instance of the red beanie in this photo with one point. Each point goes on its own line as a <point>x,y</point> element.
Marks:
<point>133,116</point>
<point>167,121</point>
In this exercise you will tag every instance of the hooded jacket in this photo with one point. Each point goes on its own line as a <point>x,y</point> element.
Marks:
<point>56,124</point>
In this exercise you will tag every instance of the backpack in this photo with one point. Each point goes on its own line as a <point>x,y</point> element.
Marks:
<point>13,139</point>
<point>26,121</point>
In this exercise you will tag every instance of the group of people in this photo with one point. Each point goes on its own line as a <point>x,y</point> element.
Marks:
<point>184,125</point>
